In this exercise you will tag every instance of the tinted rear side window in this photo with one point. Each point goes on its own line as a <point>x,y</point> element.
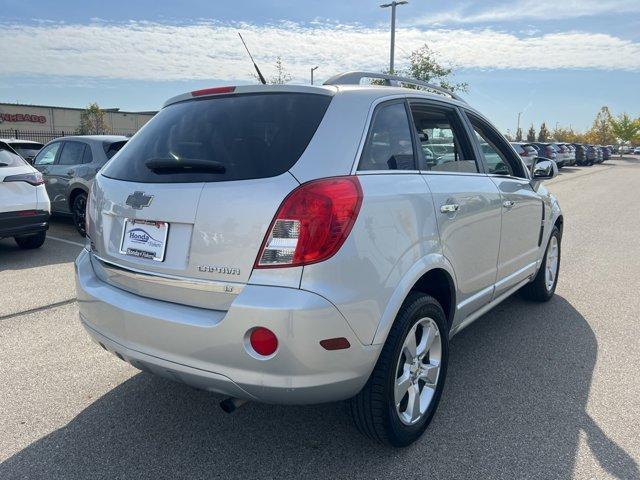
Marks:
<point>247,136</point>
<point>10,159</point>
<point>389,145</point>
<point>111,148</point>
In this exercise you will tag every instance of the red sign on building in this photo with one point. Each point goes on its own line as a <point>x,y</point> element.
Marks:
<point>22,117</point>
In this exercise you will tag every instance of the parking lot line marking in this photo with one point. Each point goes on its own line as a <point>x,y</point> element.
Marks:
<point>39,309</point>
<point>70,242</point>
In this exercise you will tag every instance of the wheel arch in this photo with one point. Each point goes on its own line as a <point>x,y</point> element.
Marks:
<point>559,222</point>
<point>432,275</point>
<point>74,191</point>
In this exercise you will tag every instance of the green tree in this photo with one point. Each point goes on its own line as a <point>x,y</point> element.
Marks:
<point>543,134</point>
<point>625,128</point>
<point>601,132</point>
<point>519,134</point>
<point>567,135</point>
<point>531,134</point>
<point>282,76</point>
<point>92,121</point>
<point>423,65</point>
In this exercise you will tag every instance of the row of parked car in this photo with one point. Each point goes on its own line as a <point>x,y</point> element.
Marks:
<point>53,178</point>
<point>564,154</point>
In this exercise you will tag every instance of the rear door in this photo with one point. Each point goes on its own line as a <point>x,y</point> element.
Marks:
<point>63,170</point>
<point>44,162</point>
<point>198,188</point>
<point>522,207</point>
<point>466,201</point>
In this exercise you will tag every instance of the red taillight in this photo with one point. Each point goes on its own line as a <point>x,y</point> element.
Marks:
<point>212,91</point>
<point>312,223</point>
<point>34,178</point>
<point>263,341</point>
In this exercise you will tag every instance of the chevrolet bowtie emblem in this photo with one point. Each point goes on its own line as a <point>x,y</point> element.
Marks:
<point>139,200</point>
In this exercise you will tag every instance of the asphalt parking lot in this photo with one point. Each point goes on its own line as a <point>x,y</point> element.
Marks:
<point>533,391</point>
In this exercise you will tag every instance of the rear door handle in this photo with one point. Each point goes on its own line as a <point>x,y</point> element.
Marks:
<point>508,204</point>
<point>450,208</point>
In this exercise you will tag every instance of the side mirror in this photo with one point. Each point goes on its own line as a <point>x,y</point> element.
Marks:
<point>543,169</point>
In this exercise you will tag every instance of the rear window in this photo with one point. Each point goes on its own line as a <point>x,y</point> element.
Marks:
<point>111,148</point>
<point>27,150</point>
<point>9,159</point>
<point>237,137</point>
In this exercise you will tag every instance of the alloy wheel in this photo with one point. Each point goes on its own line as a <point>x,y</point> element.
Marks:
<point>551,263</point>
<point>418,371</point>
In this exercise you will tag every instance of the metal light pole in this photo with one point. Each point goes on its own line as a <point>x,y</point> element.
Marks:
<point>312,70</point>
<point>393,6</point>
<point>519,113</point>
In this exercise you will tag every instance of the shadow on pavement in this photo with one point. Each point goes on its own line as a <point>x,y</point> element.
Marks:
<point>51,253</point>
<point>513,407</point>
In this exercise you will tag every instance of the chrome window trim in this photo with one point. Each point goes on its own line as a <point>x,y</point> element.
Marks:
<point>387,172</point>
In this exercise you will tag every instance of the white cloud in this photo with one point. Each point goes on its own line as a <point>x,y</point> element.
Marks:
<point>530,9</point>
<point>150,51</point>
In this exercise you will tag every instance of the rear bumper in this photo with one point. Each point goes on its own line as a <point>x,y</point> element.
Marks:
<point>208,349</point>
<point>16,224</point>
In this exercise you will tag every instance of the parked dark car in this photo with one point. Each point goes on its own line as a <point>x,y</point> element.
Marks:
<point>592,154</point>
<point>606,153</point>
<point>547,150</point>
<point>599,154</point>
<point>27,149</point>
<point>69,165</point>
<point>580,153</point>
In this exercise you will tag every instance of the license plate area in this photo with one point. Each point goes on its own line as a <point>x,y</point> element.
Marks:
<point>144,239</point>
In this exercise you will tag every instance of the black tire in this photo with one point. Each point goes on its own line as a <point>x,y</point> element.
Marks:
<point>537,290</point>
<point>373,409</point>
<point>79,212</point>
<point>31,241</point>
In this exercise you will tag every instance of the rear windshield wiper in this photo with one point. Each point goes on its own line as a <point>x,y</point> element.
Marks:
<point>187,165</point>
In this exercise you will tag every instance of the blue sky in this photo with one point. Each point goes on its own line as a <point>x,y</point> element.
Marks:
<point>553,61</point>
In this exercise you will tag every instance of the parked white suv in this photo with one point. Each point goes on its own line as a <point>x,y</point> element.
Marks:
<point>24,203</point>
<point>294,244</point>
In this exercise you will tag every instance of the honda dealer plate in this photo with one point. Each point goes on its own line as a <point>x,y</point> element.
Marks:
<point>144,239</point>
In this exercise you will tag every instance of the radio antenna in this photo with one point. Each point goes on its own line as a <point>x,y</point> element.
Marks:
<point>262,80</point>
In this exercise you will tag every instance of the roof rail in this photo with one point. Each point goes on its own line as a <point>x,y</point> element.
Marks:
<point>354,78</point>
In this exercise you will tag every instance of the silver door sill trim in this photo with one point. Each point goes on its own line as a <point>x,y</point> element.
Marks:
<point>170,280</point>
<point>507,279</point>
<point>477,314</point>
<point>475,297</point>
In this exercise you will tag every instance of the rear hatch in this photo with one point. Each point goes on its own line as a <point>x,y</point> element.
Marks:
<point>180,213</point>
<point>16,194</point>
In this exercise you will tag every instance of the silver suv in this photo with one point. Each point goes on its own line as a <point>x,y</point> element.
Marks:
<point>294,244</point>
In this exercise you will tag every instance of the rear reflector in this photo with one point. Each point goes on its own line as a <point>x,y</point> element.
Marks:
<point>27,213</point>
<point>212,91</point>
<point>263,341</point>
<point>339,343</point>
<point>312,223</point>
